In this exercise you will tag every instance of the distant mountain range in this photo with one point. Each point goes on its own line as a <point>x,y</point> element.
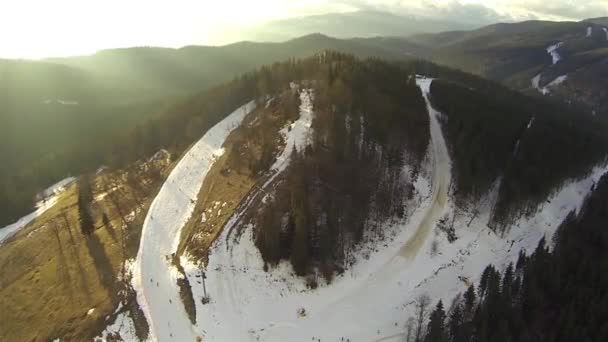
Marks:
<point>361,24</point>
<point>90,98</point>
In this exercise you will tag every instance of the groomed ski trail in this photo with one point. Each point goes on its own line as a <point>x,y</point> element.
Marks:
<point>154,278</point>
<point>441,177</point>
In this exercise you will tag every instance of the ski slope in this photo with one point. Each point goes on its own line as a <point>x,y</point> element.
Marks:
<point>154,278</point>
<point>372,300</point>
<point>249,304</point>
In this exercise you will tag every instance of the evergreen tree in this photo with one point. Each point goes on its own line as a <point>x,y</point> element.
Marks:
<point>436,328</point>
<point>85,197</point>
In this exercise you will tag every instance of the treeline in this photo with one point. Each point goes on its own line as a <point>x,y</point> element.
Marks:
<point>533,146</point>
<point>369,121</point>
<point>557,295</point>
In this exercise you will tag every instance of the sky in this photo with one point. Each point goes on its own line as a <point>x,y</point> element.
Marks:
<point>41,28</point>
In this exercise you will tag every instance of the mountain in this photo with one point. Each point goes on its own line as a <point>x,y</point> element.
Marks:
<point>564,60</point>
<point>76,105</point>
<point>360,24</point>
<point>320,198</point>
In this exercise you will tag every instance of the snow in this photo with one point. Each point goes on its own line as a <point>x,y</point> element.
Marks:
<point>370,301</point>
<point>606,31</point>
<point>373,299</point>
<point>250,304</point>
<point>123,325</point>
<point>552,50</point>
<point>154,278</point>
<point>589,31</point>
<point>49,198</point>
<point>56,188</point>
<point>547,89</point>
<point>295,135</point>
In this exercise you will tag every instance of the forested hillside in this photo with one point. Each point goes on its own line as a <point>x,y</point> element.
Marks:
<point>558,293</point>
<point>370,124</point>
<point>61,113</point>
<point>562,60</point>
<point>528,145</point>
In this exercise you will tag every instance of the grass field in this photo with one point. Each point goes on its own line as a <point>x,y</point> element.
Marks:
<point>57,282</point>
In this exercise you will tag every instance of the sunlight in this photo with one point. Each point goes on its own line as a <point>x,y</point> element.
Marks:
<point>71,27</point>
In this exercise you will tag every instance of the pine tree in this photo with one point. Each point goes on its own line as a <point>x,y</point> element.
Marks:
<point>436,327</point>
<point>469,301</point>
<point>455,324</point>
<point>84,205</point>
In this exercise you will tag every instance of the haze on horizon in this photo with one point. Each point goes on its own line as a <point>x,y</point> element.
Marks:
<point>37,29</point>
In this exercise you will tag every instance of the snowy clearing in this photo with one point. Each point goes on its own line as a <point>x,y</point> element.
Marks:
<point>123,326</point>
<point>154,278</point>
<point>48,198</point>
<point>547,89</point>
<point>295,135</point>
<point>552,50</point>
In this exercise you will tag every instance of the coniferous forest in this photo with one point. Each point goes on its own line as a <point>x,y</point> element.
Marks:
<point>557,293</point>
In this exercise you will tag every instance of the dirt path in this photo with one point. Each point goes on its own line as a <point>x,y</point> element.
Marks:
<point>441,178</point>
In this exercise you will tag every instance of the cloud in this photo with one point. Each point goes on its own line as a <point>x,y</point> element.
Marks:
<point>570,10</point>
<point>488,11</point>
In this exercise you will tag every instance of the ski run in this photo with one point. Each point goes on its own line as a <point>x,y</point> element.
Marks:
<point>154,278</point>
<point>371,301</point>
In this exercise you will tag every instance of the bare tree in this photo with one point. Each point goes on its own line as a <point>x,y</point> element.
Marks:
<point>422,304</point>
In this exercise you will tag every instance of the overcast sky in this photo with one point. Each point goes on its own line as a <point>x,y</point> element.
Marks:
<point>42,28</point>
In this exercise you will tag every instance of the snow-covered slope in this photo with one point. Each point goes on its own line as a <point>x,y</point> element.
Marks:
<point>373,299</point>
<point>552,50</point>
<point>48,197</point>
<point>295,135</point>
<point>248,303</point>
<point>547,89</point>
<point>154,278</point>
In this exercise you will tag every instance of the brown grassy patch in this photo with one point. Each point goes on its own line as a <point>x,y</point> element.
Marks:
<point>232,177</point>
<point>51,274</point>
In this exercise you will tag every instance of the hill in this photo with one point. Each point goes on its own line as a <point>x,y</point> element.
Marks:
<point>564,60</point>
<point>362,24</point>
<point>61,113</point>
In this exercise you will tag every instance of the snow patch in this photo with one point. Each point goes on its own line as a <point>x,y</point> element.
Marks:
<point>606,31</point>
<point>295,135</point>
<point>552,50</point>
<point>589,31</point>
<point>547,89</point>
<point>123,326</point>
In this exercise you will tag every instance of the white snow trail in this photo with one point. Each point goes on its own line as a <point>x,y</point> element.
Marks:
<point>154,278</point>
<point>441,176</point>
<point>296,135</point>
